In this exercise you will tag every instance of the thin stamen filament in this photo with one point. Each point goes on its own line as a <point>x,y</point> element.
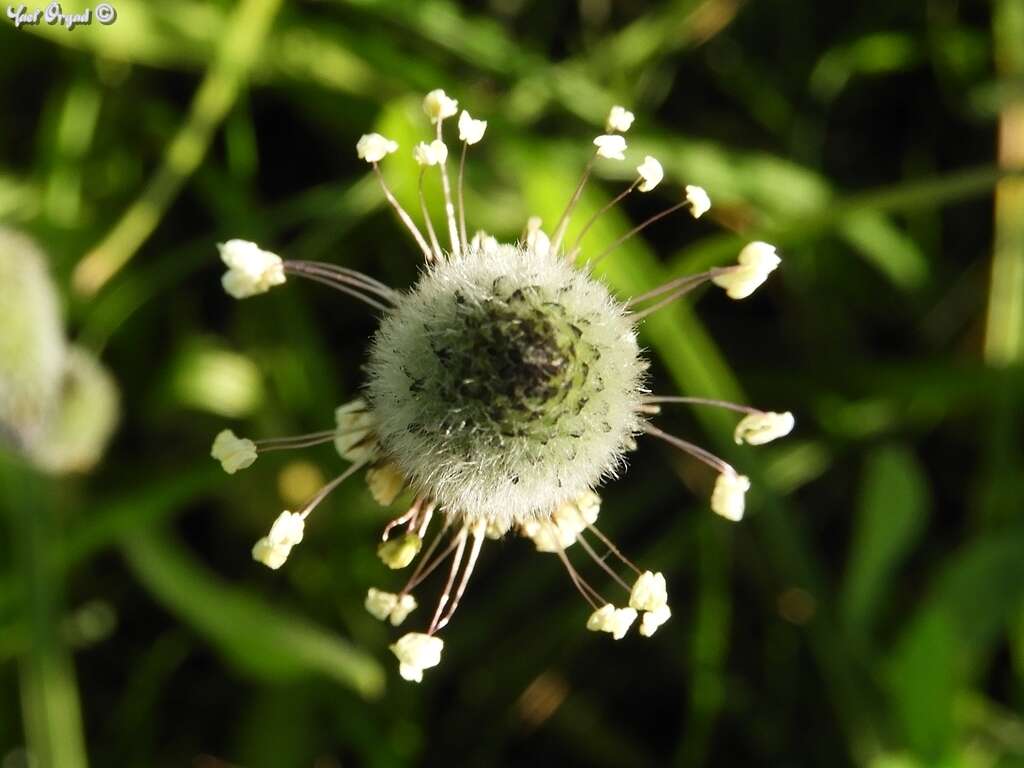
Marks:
<point>593,219</point>
<point>600,561</point>
<point>298,441</point>
<point>637,229</point>
<point>326,490</point>
<point>424,567</point>
<point>404,518</point>
<point>613,549</point>
<point>563,223</point>
<point>406,220</point>
<point>428,513</point>
<point>694,450</point>
<point>580,583</point>
<point>442,601</point>
<point>474,553</point>
<point>702,401</point>
<point>671,285</point>
<point>670,299</point>
<point>334,282</point>
<point>462,204</point>
<point>352,277</point>
<point>449,207</point>
<point>426,218</point>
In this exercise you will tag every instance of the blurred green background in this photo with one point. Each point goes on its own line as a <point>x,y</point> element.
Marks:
<point>869,610</point>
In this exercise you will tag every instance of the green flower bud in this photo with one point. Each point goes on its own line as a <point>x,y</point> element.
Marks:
<point>75,435</point>
<point>31,340</point>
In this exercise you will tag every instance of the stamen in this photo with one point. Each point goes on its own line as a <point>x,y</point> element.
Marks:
<point>353,277</point>
<point>593,219</point>
<point>637,229</point>
<point>449,207</point>
<point>580,583</point>
<point>332,281</point>
<point>462,204</point>
<point>326,490</point>
<point>563,223</point>
<point>600,561</point>
<point>426,218</point>
<point>474,553</point>
<point>404,518</point>
<point>406,220</point>
<point>671,285</point>
<point>613,549</point>
<point>422,569</point>
<point>297,441</point>
<point>694,450</point>
<point>460,540</point>
<point>670,299</point>
<point>702,401</point>
<point>428,513</point>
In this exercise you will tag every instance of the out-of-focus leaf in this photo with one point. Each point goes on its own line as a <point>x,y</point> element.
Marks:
<point>923,683</point>
<point>206,376</point>
<point>251,634</point>
<point>880,242</point>
<point>891,515</point>
<point>874,54</point>
<point>978,592</point>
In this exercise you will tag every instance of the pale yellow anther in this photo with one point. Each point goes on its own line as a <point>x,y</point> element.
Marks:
<point>372,147</point>
<point>233,453</point>
<point>763,427</point>
<point>728,496</point>
<point>398,553</point>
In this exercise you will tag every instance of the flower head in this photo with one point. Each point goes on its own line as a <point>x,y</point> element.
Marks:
<point>470,130</point>
<point>619,120</point>
<point>611,146</point>
<point>372,147</point>
<point>756,261</point>
<point>698,199</point>
<point>438,106</point>
<point>727,498</point>
<point>233,453</point>
<point>415,652</point>
<point>763,427</point>
<point>502,388</point>
<point>651,173</point>
<point>251,270</point>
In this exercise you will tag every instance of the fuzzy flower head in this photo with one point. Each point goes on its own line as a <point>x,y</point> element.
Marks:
<point>502,387</point>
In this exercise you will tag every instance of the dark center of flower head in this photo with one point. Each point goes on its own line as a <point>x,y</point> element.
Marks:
<point>505,379</point>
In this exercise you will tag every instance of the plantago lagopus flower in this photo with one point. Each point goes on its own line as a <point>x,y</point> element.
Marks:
<point>502,389</point>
